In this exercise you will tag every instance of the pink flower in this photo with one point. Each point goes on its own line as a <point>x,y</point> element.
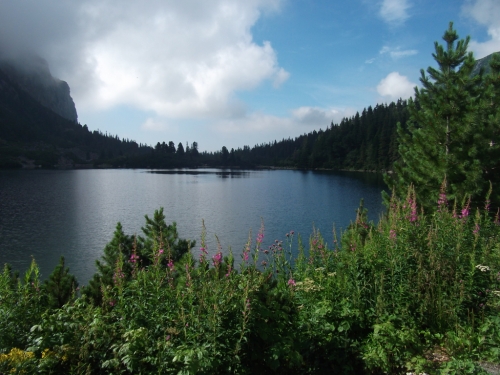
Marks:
<point>413,214</point>
<point>465,212</point>
<point>292,282</point>
<point>217,259</point>
<point>392,234</point>
<point>245,256</point>
<point>161,251</point>
<point>476,229</point>
<point>442,199</point>
<point>170,265</point>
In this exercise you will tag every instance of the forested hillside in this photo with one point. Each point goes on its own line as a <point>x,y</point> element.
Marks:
<point>366,141</point>
<point>31,134</point>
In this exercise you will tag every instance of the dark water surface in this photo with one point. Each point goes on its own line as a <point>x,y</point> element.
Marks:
<point>73,213</point>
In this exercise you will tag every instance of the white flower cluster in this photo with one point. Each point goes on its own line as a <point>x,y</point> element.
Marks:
<point>482,268</point>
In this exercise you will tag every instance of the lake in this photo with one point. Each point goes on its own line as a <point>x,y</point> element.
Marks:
<point>49,213</point>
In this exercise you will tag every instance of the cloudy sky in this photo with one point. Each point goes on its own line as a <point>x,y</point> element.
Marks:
<point>232,72</point>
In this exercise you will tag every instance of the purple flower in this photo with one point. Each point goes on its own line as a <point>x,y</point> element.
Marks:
<point>465,212</point>
<point>292,282</point>
<point>217,259</point>
<point>442,199</point>
<point>170,265</point>
<point>413,207</point>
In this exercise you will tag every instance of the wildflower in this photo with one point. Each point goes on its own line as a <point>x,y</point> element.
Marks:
<point>170,265</point>
<point>245,256</point>
<point>482,268</point>
<point>134,258</point>
<point>476,229</point>
<point>292,232</point>
<point>228,271</point>
<point>217,259</point>
<point>392,234</point>
<point>167,338</point>
<point>161,251</point>
<point>203,250</point>
<point>442,201</point>
<point>413,206</point>
<point>111,303</point>
<point>320,269</point>
<point>465,212</point>
<point>292,282</point>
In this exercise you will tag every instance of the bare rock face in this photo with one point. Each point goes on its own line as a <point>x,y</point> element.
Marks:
<point>32,74</point>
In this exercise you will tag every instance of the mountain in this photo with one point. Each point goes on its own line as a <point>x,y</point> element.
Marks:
<point>38,124</point>
<point>484,64</point>
<point>32,74</point>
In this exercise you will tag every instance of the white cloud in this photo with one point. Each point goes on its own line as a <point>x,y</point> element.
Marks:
<point>397,53</point>
<point>394,12</point>
<point>395,86</point>
<point>316,117</point>
<point>180,59</point>
<point>158,125</point>
<point>487,13</point>
<point>257,126</point>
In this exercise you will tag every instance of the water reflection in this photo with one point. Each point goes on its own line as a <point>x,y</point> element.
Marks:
<point>197,172</point>
<point>74,213</point>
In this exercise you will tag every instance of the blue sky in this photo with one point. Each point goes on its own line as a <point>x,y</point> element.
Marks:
<point>234,73</point>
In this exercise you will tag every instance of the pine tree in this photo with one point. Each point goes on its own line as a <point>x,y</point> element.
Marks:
<point>488,119</point>
<point>60,287</point>
<point>160,235</point>
<point>121,243</point>
<point>136,251</point>
<point>439,143</point>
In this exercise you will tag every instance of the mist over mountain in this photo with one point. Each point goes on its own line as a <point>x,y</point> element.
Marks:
<point>32,74</point>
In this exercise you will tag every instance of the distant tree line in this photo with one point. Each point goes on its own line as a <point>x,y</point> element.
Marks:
<point>366,141</point>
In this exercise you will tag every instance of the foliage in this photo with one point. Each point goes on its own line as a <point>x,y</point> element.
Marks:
<point>60,287</point>
<point>125,254</point>
<point>453,130</point>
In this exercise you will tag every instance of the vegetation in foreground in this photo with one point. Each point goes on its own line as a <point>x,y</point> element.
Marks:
<point>414,293</point>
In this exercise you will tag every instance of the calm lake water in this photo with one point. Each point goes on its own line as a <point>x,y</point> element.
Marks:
<point>47,214</point>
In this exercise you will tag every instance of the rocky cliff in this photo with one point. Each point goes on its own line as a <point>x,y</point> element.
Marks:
<point>32,74</point>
